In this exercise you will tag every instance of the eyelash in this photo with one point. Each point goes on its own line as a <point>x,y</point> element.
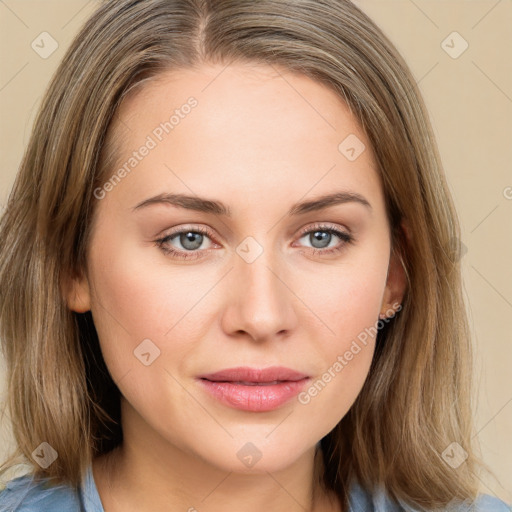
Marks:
<point>161,242</point>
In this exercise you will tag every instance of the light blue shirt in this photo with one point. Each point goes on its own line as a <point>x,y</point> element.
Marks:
<point>22,494</point>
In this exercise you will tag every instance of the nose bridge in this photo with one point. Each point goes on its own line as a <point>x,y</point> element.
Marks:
<point>260,302</point>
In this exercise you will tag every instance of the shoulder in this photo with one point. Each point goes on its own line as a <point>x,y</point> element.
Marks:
<point>24,494</point>
<point>379,501</point>
<point>486,503</point>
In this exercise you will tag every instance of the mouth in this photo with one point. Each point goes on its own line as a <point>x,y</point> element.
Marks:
<point>254,390</point>
<point>245,383</point>
<point>246,375</point>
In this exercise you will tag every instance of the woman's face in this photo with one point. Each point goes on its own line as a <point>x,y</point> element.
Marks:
<point>259,276</point>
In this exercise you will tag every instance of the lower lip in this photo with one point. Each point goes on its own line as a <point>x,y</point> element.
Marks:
<point>260,398</point>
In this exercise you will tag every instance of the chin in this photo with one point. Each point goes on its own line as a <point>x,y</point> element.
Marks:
<point>254,454</point>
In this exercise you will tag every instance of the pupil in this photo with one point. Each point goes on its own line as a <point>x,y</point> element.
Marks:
<point>187,240</point>
<point>321,236</point>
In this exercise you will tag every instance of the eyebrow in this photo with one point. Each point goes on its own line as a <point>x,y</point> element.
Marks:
<point>200,204</point>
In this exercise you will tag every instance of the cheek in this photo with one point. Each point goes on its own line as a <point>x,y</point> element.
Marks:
<point>348,302</point>
<point>347,298</point>
<point>133,300</point>
<point>333,391</point>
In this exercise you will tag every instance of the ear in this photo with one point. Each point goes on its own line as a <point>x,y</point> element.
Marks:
<point>76,293</point>
<point>396,282</point>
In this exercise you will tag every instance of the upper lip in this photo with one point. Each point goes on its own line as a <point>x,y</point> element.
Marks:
<point>246,374</point>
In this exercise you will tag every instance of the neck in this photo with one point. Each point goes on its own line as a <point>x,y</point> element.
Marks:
<point>147,473</point>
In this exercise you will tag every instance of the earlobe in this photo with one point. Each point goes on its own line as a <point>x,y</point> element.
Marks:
<point>76,293</point>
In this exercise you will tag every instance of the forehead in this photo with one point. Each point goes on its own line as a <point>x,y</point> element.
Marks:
<point>239,96</point>
<point>243,126</point>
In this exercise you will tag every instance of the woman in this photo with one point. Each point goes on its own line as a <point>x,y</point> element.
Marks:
<point>228,272</point>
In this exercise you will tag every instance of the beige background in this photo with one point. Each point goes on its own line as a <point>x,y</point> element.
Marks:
<point>470,101</point>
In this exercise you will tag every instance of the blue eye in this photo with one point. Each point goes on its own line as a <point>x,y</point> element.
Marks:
<point>321,236</point>
<point>192,239</point>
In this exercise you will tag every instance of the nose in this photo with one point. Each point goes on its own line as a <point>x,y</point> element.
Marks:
<point>260,301</point>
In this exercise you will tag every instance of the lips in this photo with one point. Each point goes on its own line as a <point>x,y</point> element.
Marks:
<point>254,390</point>
<point>248,376</point>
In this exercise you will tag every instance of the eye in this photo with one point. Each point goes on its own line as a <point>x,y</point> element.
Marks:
<point>321,236</point>
<point>190,240</point>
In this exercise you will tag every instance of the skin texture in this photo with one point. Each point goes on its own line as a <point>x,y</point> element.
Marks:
<point>259,140</point>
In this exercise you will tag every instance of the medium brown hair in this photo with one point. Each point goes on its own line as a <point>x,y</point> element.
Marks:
<point>416,400</point>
